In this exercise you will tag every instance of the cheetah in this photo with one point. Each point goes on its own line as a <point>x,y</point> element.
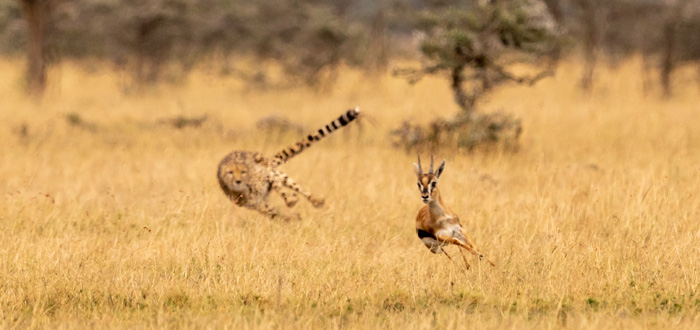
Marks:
<point>248,177</point>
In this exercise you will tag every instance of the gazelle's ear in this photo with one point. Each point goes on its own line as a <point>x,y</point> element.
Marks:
<point>440,169</point>
<point>416,168</point>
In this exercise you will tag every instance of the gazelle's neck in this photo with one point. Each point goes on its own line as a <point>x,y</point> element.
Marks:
<point>436,205</point>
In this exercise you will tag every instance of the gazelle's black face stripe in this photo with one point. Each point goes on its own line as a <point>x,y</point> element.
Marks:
<point>426,184</point>
<point>341,121</point>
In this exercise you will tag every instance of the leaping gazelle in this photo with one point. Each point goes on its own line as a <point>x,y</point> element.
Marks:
<point>436,224</point>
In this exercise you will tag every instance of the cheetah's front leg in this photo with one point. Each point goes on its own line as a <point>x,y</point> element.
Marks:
<point>274,213</point>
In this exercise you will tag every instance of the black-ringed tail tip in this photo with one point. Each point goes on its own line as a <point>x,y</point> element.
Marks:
<point>311,138</point>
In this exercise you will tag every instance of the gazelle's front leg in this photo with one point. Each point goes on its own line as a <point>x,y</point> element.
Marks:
<point>442,249</point>
<point>289,183</point>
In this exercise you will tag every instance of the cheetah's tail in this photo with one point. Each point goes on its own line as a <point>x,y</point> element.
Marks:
<point>344,119</point>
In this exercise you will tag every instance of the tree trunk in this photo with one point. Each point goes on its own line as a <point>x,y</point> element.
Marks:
<point>590,42</point>
<point>670,36</point>
<point>667,58</point>
<point>461,98</point>
<point>148,61</point>
<point>555,8</point>
<point>36,14</point>
<point>378,45</point>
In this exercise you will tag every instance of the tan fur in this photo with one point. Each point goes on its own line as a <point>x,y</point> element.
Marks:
<point>435,222</point>
<point>247,177</point>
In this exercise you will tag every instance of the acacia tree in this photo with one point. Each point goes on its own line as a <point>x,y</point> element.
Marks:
<point>476,47</point>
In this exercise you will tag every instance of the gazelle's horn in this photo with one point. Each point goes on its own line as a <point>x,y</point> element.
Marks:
<point>431,164</point>
<point>420,169</point>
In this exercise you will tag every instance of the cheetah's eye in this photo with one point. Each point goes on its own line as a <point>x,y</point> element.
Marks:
<point>243,172</point>
<point>229,172</point>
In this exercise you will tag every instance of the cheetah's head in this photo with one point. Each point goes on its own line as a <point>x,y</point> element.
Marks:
<point>234,177</point>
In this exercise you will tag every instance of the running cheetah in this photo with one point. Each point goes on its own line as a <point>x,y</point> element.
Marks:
<point>248,177</point>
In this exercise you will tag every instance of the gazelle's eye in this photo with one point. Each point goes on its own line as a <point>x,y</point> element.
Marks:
<point>418,185</point>
<point>434,184</point>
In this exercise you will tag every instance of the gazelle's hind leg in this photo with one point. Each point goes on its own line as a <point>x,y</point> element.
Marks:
<point>473,246</point>
<point>466,238</point>
<point>466,264</point>
<point>452,240</point>
<point>289,183</point>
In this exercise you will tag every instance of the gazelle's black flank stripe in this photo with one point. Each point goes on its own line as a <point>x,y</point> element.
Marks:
<point>422,234</point>
<point>310,139</point>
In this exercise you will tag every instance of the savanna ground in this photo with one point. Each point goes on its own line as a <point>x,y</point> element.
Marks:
<point>112,219</point>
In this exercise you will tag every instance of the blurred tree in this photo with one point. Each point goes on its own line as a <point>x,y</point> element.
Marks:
<point>674,17</point>
<point>309,39</point>
<point>163,39</point>
<point>37,14</point>
<point>663,31</point>
<point>477,47</point>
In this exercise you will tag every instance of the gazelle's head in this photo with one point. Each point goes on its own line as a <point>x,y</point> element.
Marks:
<point>427,182</point>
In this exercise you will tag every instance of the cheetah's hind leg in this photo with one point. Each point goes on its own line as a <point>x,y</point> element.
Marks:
<point>289,183</point>
<point>290,198</point>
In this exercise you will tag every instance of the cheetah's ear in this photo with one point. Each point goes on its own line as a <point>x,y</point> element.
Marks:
<point>258,158</point>
<point>440,169</point>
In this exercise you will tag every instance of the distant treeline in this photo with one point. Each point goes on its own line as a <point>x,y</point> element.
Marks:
<point>311,37</point>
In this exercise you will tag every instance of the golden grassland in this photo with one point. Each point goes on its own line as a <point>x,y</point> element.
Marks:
<point>118,221</point>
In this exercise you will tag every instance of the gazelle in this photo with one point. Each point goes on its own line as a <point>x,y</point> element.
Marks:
<point>436,224</point>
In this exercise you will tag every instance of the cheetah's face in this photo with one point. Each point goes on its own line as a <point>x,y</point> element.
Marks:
<point>236,177</point>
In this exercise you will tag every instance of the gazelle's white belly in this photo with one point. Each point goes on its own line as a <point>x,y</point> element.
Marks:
<point>452,231</point>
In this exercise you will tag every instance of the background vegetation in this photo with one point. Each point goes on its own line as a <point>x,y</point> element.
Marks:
<point>163,39</point>
<point>111,216</point>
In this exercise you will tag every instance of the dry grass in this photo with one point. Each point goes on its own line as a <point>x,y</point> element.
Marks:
<point>116,221</point>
